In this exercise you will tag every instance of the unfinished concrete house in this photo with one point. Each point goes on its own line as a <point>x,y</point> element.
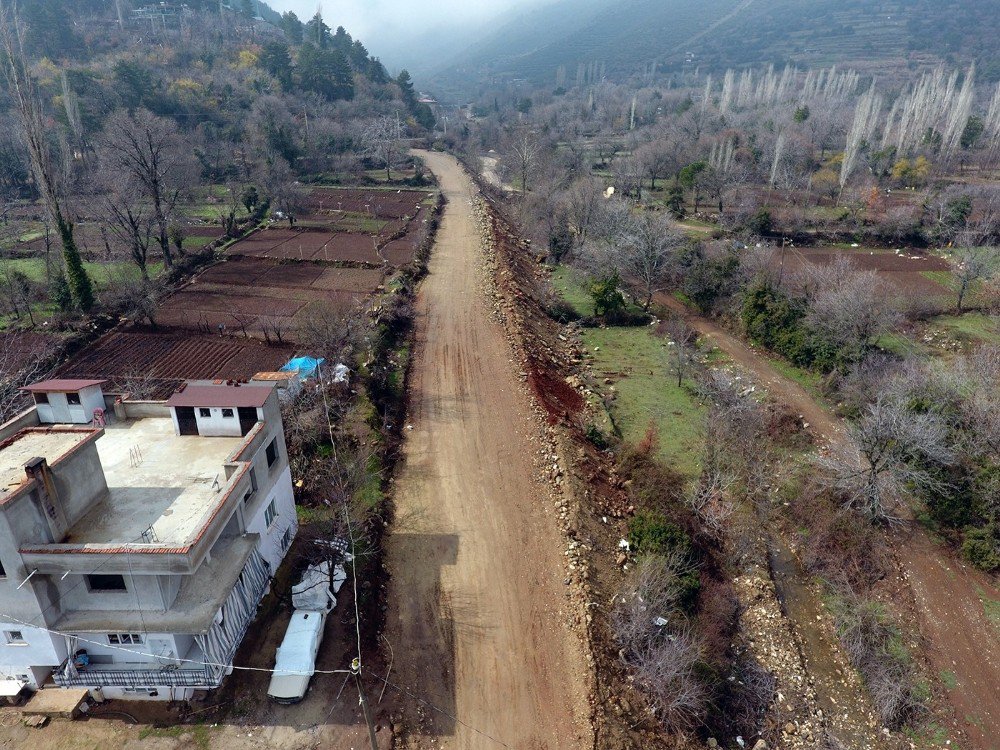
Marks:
<point>137,544</point>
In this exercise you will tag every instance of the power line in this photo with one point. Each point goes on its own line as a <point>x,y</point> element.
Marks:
<point>133,652</point>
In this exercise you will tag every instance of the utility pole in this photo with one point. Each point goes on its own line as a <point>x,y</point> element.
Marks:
<point>363,699</point>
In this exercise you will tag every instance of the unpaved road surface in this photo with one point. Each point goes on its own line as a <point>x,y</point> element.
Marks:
<point>476,562</point>
<point>959,607</point>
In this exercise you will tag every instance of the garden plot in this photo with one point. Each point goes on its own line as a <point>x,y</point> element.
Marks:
<point>909,273</point>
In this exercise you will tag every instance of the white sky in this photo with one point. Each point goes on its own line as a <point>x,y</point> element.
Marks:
<point>377,22</point>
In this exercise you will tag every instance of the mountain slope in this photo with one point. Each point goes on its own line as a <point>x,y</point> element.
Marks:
<point>624,38</point>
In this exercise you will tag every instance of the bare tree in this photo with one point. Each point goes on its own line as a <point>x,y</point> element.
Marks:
<point>682,340</point>
<point>150,151</point>
<point>848,307</point>
<point>23,359</point>
<point>890,449</point>
<point>22,90</point>
<point>525,152</point>
<point>132,222</point>
<point>969,267</point>
<point>381,140</point>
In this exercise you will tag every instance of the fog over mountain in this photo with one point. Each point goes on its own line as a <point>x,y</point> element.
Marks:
<point>402,32</point>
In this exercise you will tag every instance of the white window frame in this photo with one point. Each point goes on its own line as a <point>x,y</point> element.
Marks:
<point>202,414</point>
<point>270,514</point>
<point>15,637</point>
<point>125,639</point>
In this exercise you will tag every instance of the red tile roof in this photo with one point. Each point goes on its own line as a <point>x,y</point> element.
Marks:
<point>61,386</point>
<point>231,396</point>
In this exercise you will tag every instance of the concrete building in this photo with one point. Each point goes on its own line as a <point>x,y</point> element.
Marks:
<point>133,555</point>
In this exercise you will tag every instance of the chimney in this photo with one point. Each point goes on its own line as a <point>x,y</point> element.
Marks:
<point>48,497</point>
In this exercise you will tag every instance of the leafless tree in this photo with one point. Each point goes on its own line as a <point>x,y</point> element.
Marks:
<point>848,307</point>
<point>381,140</point>
<point>646,255</point>
<point>131,221</point>
<point>524,152</point>
<point>19,291</point>
<point>23,360</point>
<point>890,448</point>
<point>150,151</point>
<point>682,341</point>
<point>969,267</point>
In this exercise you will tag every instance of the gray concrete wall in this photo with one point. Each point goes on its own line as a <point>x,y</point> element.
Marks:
<point>80,482</point>
<point>147,410</point>
<point>22,421</point>
<point>141,591</point>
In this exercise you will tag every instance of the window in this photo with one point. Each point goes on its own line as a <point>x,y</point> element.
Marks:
<point>41,398</point>
<point>205,413</point>
<point>270,513</point>
<point>253,486</point>
<point>125,639</point>
<point>286,539</point>
<point>228,413</point>
<point>272,452</point>
<point>100,582</point>
<point>15,638</point>
<point>3,573</point>
<point>73,399</point>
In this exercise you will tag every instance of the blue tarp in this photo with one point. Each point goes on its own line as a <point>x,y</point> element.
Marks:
<point>305,366</point>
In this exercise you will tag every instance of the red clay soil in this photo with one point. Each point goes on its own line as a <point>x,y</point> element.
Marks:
<point>904,271</point>
<point>231,300</point>
<point>360,280</point>
<point>957,605</point>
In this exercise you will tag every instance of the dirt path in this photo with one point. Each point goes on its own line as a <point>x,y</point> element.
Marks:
<point>959,607</point>
<point>477,619</point>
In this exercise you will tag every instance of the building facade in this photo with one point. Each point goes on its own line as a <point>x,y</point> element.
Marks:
<point>135,550</point>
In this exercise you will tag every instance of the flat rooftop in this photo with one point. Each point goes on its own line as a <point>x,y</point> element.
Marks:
<point>50,444</point>
<point>155,478</point>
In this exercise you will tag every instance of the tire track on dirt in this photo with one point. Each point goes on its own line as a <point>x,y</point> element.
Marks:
<point>478,616</point>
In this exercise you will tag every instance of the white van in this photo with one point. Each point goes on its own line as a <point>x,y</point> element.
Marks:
<point>296,660</point>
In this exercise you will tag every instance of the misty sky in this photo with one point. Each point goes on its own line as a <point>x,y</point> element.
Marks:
<point>381,24</point>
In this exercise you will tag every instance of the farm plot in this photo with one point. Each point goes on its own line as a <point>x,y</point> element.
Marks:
<point>379,204</point>
<point>910,274</point>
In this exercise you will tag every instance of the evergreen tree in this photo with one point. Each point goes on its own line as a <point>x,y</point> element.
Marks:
<point>276,60</point>
<point>80,287</point>
<point>317,32</point>
<point>61,296</point>
<point>325,72</point>
<point>294,28</point>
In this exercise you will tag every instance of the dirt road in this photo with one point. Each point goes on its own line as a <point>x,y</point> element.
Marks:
<point>478,614</point>
<point>959,607</point>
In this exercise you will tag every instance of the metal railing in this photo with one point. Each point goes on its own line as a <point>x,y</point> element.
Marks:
<point>139,678</point>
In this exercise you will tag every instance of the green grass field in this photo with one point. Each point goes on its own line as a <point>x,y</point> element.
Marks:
<point>639,362</point>
<point>971,327</point>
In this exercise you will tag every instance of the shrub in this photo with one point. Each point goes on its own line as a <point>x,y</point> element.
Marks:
<point>651,534</point>
<point>982,548</point>
<point>761,222</point>
<point>607,295</point>
<point>875,648</point>
<point>596,437</point>
<point>562,311</point>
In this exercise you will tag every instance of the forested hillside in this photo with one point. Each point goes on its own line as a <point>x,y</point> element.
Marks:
<point>603,39</point>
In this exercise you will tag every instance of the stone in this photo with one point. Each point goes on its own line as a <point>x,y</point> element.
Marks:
<point>761,745</point>
<point>712,742</point>
<point>790,728</point>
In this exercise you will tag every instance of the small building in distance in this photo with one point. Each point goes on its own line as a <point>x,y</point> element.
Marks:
<point>135,550</point>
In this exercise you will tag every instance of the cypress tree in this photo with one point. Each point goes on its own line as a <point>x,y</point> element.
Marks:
<point>79,282</point>
<point>60,294</point>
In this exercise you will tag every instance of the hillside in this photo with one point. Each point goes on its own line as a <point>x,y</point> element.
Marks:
<point>624,38</point>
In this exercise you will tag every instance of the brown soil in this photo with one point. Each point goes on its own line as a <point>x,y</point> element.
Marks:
<point>956,605</point>
<point>476,608</point>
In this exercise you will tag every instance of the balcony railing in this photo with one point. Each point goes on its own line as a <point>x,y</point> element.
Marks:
<point>217,647</point>
<point>139,678</point>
